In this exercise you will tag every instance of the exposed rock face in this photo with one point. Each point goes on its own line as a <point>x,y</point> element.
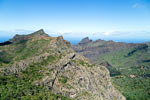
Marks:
<point>85,41</point>
<point>61,70</point>
<point>126,62</point>
<point>113,71</point>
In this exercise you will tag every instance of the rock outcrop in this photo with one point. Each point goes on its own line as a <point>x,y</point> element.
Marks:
<point>85,41</point>
<point>128,64</point>
<point>57,67</point>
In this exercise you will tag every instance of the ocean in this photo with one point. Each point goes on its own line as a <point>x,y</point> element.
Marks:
<point>3,39</point>
<point>75,41</point>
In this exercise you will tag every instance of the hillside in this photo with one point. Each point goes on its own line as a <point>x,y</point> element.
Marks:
<point>128,63</point>
<point>40,67</point>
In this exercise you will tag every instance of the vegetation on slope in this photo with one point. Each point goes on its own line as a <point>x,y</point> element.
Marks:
<point>39,67</point>
<point>20,86</point>
<point>129,65</point>
<point>16,88</point>
<point>134,78</point>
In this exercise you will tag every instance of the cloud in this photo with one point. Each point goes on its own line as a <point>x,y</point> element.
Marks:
<point>136,5</point>
<point>108,33</point>
<point>64,31</point>
<point>112,33</point>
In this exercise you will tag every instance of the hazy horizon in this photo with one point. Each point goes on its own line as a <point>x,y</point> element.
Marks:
<point>118,20</point>
<point>74,39</point>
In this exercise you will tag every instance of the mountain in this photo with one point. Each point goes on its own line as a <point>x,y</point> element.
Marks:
<point>40,67</point>
<point>128,63</point>
<point>92,49</point>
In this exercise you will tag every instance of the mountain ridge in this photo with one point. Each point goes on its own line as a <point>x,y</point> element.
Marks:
<point>128,64</point>
<point>98,47</point>
<point>53,69</point>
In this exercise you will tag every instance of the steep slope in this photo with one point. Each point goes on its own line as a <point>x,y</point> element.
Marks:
<point>129,65</point>
<point>37,66</point>
<point>92,49</point>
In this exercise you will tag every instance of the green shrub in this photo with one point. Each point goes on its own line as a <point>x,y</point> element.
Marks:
<point>63,79</point>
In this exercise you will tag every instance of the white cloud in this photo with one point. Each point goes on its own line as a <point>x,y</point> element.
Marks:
<point>64,31</point>
<point>111,33</point>
<point>107,33</point>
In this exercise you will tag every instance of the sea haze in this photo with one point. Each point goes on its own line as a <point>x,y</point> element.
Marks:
<point>76,37</point>
<point>3,39</point>
<point>77,40</point>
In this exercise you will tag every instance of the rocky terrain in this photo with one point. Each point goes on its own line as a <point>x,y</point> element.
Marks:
<point>92,49</point>
<point>40,67</point>
<point>128,64</point>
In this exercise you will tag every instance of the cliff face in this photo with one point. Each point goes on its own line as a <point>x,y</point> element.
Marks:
<point>128,64</point>
<point>51,64</point>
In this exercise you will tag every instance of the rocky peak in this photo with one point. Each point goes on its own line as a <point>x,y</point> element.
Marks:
<point>60,38</point>
<point>85,40</point>
<point>49,62</point>
<point>39,33</point>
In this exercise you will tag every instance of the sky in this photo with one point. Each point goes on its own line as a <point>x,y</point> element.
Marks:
<point>107,18</point>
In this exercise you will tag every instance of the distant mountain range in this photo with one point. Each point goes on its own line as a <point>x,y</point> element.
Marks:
<point>75,37</point>
<point>128,63</point>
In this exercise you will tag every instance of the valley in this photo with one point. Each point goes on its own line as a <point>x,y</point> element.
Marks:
<point>128,64</point>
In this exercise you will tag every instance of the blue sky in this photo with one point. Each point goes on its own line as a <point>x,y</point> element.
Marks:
<point>64,16</point>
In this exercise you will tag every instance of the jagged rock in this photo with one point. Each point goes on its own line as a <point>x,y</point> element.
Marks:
<point>85,40</point>
<point>61,70</point>
<point>127,63</point>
